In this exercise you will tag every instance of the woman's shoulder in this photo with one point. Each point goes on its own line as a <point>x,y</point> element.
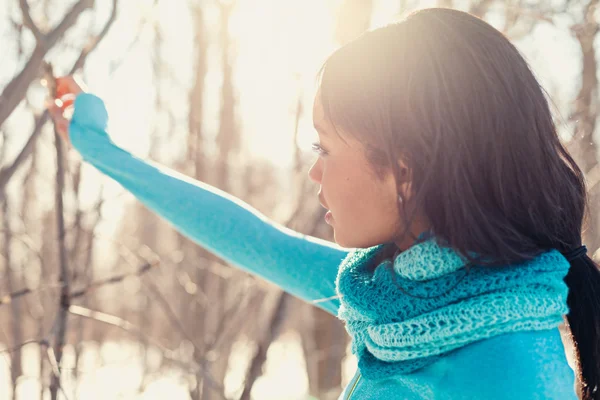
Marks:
<point>523,365</point>
<point>527,365</point>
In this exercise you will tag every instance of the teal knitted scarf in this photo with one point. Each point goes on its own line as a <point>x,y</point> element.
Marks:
<point>404,316</point>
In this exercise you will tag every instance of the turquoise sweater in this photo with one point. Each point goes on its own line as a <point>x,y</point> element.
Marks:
<point>524,365</point>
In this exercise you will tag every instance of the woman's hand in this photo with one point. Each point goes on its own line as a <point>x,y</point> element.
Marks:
<point>60,106</point>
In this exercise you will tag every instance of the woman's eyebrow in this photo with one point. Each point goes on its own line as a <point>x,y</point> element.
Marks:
<point>320,129</point>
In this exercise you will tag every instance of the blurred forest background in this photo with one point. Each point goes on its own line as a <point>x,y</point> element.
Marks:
<point>99,299</point>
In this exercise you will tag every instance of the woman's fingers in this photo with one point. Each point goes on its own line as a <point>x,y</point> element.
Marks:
<point>67,89</point>
<point>68,85</point>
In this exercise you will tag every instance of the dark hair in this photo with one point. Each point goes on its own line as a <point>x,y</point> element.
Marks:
<point>452,98</point>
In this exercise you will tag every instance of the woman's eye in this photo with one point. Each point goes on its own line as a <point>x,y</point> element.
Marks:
<point>316,147</point>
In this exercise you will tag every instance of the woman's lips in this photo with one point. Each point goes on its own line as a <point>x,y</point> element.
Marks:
<point>328,214</point>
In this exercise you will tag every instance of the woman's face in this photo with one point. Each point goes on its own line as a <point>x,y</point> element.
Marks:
<point>363,207</point>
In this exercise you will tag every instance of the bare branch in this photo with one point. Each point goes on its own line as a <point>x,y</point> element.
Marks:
<point>7,172</point>
<point>18,347</point>
<point>132,329</point>
<point>18,86</point>
<point>115,65</point>
<point>269,334</point>
<point>63,281</point>
<point>237,321</point>
<point>112,280</point>
<point>584,115</point>
<point>7,299</point>
<point>93,43</point>
<point>112,320</point>
<point>14,92</point>
<point>52,360</point>
<point>28,21</point>
<point>171,314</point>
<point>176,322</point>
<point>54,367</point>
<point>69,20</point>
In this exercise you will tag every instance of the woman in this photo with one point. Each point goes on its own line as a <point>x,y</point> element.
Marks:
<point>441,167</point>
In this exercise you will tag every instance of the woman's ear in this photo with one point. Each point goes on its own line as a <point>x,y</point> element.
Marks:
<point>404,174</point>
<point>403,182</point>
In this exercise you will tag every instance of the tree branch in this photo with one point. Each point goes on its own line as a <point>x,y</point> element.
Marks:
<point>112,280</point>
<point>18,347</point>
<point>14,92</point>
<point>63,279</point>
<point>18,86</point>
<point>269,334</point>
<point>54,366</point>
<point>177,324</point>
<point>7,172</point>
<point>112,320</point>
<point>8,298</point>
<point>134,330</point>
<point>28,21</point>
<point>69,20</point>
<point>94,41</point>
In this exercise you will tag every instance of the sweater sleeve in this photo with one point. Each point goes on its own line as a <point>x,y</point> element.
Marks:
<point>304,266</point>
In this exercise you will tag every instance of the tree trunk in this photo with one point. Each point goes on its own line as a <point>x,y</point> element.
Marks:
<point>63,279</point>
<point>585,149</point>
<point>269,334</point>
<point>227,137</point>
<point>16,319</point>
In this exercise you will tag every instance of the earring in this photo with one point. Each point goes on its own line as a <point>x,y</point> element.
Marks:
<point>400,199</point>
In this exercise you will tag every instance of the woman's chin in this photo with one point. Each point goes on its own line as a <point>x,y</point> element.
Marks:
<point>354,242</point>
<point>343,241</point>
<point>338,238</point>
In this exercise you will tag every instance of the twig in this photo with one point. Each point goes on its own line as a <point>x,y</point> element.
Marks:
<point>177,323</point>
<point>7,172</point>
<point>15,90</point>
<point>118,61</point>
<point>44,342</point>
<point>132,329</point>
<point>93,43</point>
<point>112,280</point>
<point>171,314</point>
<point>238,320</point>
<point>69,19</point>
<point>8,298</point>
<point>111,320</point>
<point>269,334</point>
<point>28,21</point>
<point>18,347</point>
<point>53,361</point>
<point>54,368</point>
<point>64,299</point>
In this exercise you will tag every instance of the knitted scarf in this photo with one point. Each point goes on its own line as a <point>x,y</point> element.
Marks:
<point>404,315</point>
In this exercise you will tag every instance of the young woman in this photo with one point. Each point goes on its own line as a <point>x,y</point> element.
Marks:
<point>441,168</point>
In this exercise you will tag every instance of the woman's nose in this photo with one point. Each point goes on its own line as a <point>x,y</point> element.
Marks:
<point>315,171</point>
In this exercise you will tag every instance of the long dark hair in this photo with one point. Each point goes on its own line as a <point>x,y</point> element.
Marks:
<point>452,98</point>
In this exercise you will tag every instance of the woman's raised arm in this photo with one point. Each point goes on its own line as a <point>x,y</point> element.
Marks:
<point>301,265</point>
